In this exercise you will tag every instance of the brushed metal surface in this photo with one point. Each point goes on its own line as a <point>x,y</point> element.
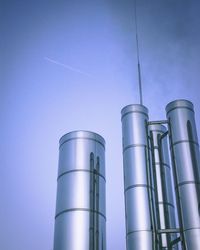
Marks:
<point>80,219</point>
<point>138,218</point>
<point>141,240</point>
<point>135,172</point>
<point>77,186</point>
<point>186,163</point>
<point>73,231</point>
<point>137,183</point>
<point>74,144</point>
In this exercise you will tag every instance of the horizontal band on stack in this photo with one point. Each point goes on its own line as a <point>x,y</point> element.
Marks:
<point>138,185</point>
<point>80,210</point>
<point>87,135</point>
<point>81,170</point>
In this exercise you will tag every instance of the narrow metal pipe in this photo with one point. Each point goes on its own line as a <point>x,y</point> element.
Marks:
<point>96,171</point>
<point>170,207</point>
<point>158,122</point>
<point>139,224</point>
<point>186,164</point>
<point>92,198</point>
<point>165,206</point>
<point>152,193</point>
<point>138,53</point>
<point>80,222</point>
<point>171,230</point>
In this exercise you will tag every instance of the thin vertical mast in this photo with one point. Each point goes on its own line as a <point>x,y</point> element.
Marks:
<point>138,54</point>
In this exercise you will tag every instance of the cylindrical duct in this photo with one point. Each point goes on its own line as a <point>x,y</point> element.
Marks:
<point>137,186</point>
<point>163,184</point>
<point>186,161</point>
<point>80,222</point>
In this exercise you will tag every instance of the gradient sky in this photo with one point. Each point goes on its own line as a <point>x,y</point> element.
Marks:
<point>70,65</point>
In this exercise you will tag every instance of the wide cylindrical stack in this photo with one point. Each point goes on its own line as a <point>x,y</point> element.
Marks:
<point>80,222</point>
<point>165,208</point>
<point>186,163</point>
<point>137,185</point>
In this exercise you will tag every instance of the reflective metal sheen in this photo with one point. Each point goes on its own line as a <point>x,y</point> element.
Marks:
<point>186,164</point>
<point>165,206</point>
<point>137,185</point>
<point>80,222</point>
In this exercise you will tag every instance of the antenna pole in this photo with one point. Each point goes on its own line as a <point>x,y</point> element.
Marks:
<point>138,54</point>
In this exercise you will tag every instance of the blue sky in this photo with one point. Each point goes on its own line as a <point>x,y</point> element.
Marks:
<point>70,65</point>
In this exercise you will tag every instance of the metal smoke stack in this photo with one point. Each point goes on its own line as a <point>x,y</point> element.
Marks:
<point>80,221</point>
<point>137,179</point>
<point>186,164</point>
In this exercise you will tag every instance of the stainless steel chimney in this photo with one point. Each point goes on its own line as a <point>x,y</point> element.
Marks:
<point>80,222</point>
<point>137,180</point>
<point>165,207</point>
<point>186,166</point>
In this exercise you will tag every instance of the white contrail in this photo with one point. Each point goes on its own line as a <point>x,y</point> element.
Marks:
<point>67,67</point>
